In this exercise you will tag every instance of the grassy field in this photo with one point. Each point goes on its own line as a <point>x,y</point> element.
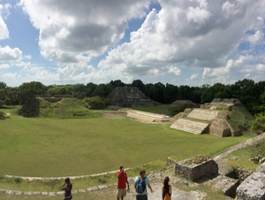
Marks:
<point>56,147</point>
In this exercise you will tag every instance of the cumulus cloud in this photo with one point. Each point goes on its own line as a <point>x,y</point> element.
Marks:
<point>171,42</point>
<point>8,54</point>
<point>4,11</point>
<point>72,30</point>
<point>195,33</point>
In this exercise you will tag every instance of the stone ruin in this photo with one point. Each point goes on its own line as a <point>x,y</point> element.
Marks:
<point>253,187</point>
<point>210,118</point>
<point>187,125</point>
<point>128,96</point>
<point>147,117</point>
<point>197,170</point>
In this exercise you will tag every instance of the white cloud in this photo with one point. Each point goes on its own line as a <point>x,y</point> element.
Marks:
<point>256,38</point>
<point>174,70</point>
<point>8,54</point>
<point>194,77</point>
<point>73,30</point>
<point>224,70</point>
<point>169,45</point>
<point>4,11</point>
<point>261,67</point>
<point>197,33</point>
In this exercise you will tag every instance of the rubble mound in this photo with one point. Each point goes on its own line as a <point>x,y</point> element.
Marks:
<point>128,96</point>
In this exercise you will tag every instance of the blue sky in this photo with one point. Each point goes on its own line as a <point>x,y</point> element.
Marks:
<point>181,42</point>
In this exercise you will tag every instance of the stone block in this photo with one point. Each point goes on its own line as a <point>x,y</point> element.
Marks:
<point>225,184</point>
<point>253,188</point>
<point>197,172</point>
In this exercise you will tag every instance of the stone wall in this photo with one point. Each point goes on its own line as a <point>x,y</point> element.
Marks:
<point>220,127</point>
<point>190,126</point>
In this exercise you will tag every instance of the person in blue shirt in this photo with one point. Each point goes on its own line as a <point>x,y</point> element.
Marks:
<point>141,184</point>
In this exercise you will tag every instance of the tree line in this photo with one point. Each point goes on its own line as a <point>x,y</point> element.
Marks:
<point>249,92</point>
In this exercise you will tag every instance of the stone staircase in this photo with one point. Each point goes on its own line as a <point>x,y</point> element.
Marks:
<point>203,114</point>
<point>197,121</point>
<point>189,125</point>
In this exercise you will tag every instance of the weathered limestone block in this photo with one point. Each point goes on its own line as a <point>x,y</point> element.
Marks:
<point>220,127</point>
<point>225,184</point>
<point>253,188</point>
<point>203,114</point>
<point>191,126</point>
<point>197,172</point>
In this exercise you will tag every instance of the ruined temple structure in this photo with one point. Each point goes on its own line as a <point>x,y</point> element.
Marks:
<point>128,96</point>
<point>212,118</point>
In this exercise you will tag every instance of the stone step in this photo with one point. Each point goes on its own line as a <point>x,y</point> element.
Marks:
<point>189,125</point>
<point>203,114</point>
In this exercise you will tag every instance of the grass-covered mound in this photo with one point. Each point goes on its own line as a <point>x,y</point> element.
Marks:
<point>167,109</point>
<point>240,119</point>
<point>247,158</point>
<point>65,108</point>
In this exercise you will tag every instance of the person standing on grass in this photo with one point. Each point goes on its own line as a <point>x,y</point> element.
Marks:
<point>67,188</point>
<point>166,190</point>
<point>141,184</point>
<point>122,182</point>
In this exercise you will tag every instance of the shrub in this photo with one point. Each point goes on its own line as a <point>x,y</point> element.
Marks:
<point>30,105</point>
<point>96,102</point>
<point>1,103</point>
<point>258,124</point>
<point>2,115</point>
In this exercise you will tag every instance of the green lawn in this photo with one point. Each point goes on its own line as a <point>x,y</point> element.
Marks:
<point>242,158</point>
<point>59,147</point>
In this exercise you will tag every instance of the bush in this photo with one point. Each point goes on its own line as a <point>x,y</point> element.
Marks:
<point>30,105</point>
<point>96,102</point>
<point>1,103</point>
<point>2,115</point>
<point>258,124</point>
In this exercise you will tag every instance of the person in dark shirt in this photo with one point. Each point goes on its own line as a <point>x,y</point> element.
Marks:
<point>67,188</point>
<point>166,190</point>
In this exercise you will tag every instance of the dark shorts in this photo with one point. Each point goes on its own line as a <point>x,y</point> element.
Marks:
<point>141,197</point>
<point>68,198</point>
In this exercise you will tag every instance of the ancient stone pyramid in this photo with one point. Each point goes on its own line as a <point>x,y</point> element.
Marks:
<point>128,96</point>
<point>216,118</point>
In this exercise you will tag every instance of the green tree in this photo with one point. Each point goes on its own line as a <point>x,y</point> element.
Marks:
<point>30,105</point>
<point>33,87</point>
<point>259,124</point>
<point>96,102</point>
<point>139,84</point>
<point>2,85</point>
<point>79,91</point>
